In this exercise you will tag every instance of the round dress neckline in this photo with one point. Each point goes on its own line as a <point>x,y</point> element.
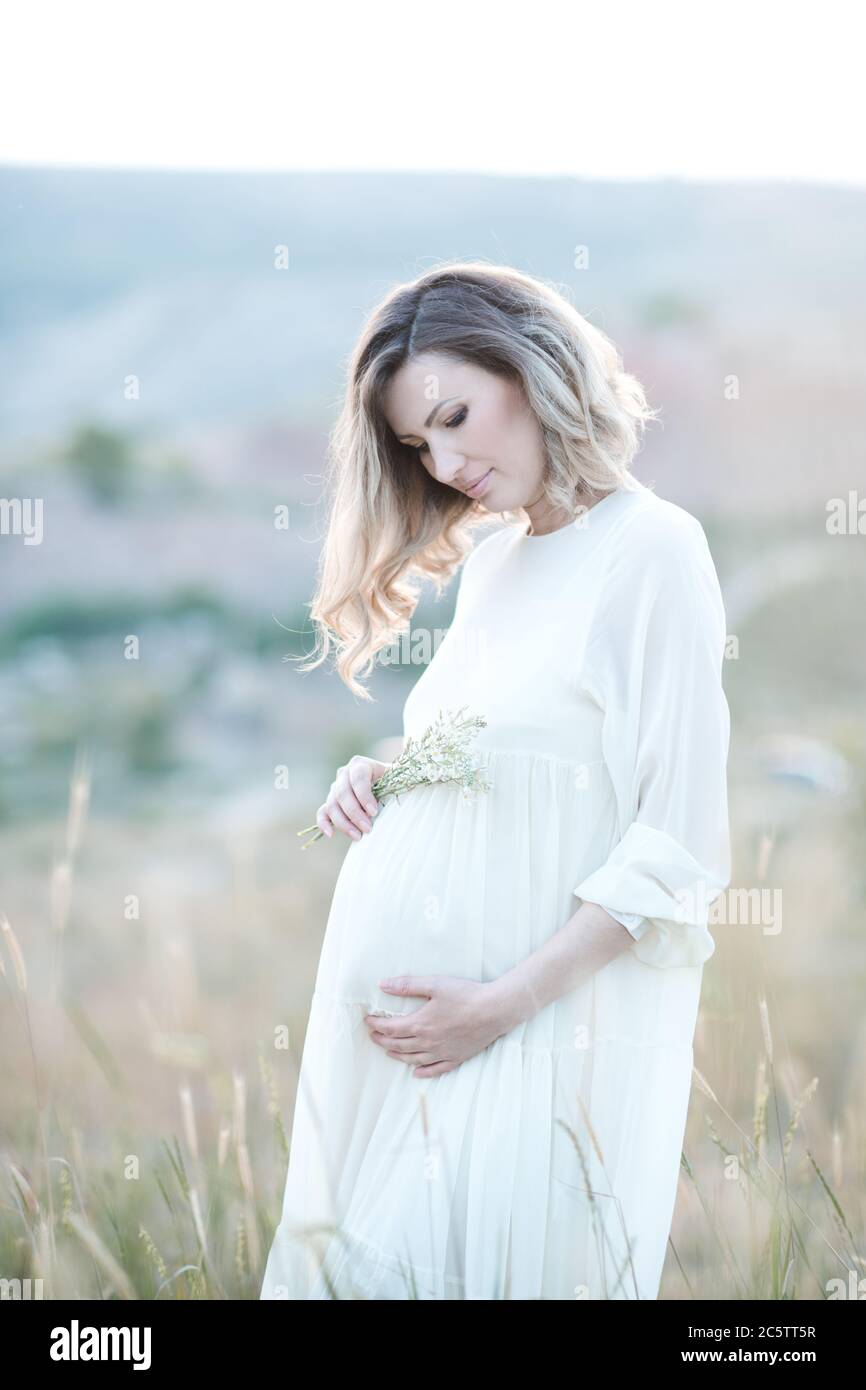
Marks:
<point>577,524</point>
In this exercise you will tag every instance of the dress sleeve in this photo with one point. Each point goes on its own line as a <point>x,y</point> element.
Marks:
<point>653,662</point>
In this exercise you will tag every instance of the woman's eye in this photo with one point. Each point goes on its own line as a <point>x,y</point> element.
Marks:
<point>449,425</point>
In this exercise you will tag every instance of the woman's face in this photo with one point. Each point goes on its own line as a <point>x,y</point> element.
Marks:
<point>473,431</point>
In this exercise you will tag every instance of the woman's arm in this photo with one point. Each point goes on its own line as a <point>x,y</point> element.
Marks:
<point>461,1017</point>
<point>587,942</point>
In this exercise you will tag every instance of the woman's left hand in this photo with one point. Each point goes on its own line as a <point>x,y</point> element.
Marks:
<point>460,1018</point>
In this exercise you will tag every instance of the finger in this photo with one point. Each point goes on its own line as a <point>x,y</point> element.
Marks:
<point>343,823</point>
<point>410,984</point>
<point>390,1040</point>
<point>413,1058</point>
<point>360,779</point>
<point>408,1046</point>
<point>351,806</point>
<point>391,1028</point>
<point>323,821</point>
<point>436,1069</point>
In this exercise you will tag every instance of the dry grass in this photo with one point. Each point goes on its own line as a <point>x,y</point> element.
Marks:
<point>147,1108</point>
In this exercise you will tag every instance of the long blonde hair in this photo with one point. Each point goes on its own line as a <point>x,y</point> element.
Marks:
<point>389,520</point>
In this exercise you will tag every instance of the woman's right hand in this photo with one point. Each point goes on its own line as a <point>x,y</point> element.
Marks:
<point>350,805</point>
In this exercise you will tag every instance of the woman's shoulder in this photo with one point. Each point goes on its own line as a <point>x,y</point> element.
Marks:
<point>657,535</point>
<point>650,518</point>
<point>658,569</point>
<point>489,543</point>
<point>649,533</point>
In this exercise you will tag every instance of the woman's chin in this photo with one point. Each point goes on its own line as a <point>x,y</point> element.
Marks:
<point>488,502</point>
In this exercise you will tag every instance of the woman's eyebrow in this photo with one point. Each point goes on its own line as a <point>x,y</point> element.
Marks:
<point>433,413</point>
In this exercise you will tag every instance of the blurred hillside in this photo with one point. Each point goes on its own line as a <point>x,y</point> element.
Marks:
<point>159,511</point>
<point>171,277</point>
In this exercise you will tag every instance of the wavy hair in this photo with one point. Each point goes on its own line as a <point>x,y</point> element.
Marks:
<point>389,521</point>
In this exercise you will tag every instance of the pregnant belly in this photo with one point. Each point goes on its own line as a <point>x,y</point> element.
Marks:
<point>409,899</point>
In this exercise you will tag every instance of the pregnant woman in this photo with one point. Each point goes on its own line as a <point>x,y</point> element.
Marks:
<point>497,1064</point>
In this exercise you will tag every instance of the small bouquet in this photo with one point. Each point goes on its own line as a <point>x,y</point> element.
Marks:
<point>440,755</point>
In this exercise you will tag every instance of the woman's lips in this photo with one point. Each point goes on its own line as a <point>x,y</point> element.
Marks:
<point>479,488</point>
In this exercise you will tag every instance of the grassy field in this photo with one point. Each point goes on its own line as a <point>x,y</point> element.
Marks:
<point>150,953</point>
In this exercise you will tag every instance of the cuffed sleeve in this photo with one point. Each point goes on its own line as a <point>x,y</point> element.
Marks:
<point>632,921</point>
<point>653,661</point>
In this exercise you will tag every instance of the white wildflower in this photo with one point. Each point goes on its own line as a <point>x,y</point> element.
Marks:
<point>440,755</point>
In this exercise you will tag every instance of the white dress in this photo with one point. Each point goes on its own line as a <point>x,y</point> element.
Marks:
<point>546,1166</point>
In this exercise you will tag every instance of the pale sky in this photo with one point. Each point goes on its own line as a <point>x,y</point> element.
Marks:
<point>622,89</point>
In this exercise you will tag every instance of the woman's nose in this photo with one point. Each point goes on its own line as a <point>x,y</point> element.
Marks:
<point>446,464</point>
